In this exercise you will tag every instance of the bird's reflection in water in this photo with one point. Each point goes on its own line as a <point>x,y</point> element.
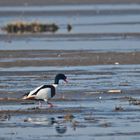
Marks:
<point>61,128</point>
<point>5,117</point>
<point>41,121</point>
<point>59,125</point>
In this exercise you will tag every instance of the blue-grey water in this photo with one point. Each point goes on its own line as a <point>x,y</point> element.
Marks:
<point>88,27</point>
<point>101,28</point>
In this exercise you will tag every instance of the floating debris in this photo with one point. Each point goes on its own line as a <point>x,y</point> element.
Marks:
<point>124,84</point>
<point>25,27</point>
<point>116,63</point>
<point>5,117</point>
<point>114,91</point>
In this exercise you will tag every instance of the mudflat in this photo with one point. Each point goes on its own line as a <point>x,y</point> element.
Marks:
<point>99,56</point>
<point>65,58</point>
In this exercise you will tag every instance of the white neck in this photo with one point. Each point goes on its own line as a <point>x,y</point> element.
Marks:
<point>55,85</point>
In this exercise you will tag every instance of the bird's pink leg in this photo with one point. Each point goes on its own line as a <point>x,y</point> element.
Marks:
<point>50,105</point>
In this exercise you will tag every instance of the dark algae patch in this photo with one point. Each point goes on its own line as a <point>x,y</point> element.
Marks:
<point>33,27</point>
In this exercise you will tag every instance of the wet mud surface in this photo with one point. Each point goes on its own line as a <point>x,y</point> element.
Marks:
<point>100,102</point>
<point>100,57</point>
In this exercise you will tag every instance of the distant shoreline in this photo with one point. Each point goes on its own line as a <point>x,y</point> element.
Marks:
<point>61,2</point>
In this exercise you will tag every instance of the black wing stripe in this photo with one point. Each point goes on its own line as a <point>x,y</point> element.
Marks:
<point>47,86</point>
<point>38,90</point>
<point>52,90</point>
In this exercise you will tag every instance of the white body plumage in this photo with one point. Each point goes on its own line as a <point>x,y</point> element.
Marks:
<point>45,92</point>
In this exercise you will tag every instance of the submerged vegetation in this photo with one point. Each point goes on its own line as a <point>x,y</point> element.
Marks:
<point>33,27</point>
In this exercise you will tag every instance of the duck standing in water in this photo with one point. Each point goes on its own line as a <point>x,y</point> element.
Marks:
<point>45,92</point>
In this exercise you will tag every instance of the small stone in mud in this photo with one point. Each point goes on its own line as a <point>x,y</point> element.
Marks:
<point>118,108</point>
<point>69,27</point>
<point>26,120</point>
<point>60,128</point>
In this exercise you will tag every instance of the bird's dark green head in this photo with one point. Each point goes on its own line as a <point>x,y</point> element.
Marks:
<point>58,77</point>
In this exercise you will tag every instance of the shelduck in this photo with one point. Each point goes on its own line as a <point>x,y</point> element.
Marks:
<point>45,92</point>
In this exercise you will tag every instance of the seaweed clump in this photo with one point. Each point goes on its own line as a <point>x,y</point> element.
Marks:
<point>34,27</point>
<point>69,27</point>
<point>134,101</point>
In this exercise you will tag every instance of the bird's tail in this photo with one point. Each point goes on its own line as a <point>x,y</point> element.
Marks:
<point>25,96</point>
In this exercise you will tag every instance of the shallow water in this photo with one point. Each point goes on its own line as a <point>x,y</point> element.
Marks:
<point>98,113</point>
<point>109,45</point>
<point>102,122</point>
<point>73,7</point>
<point>87,78</point>
<point>88,27</point>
